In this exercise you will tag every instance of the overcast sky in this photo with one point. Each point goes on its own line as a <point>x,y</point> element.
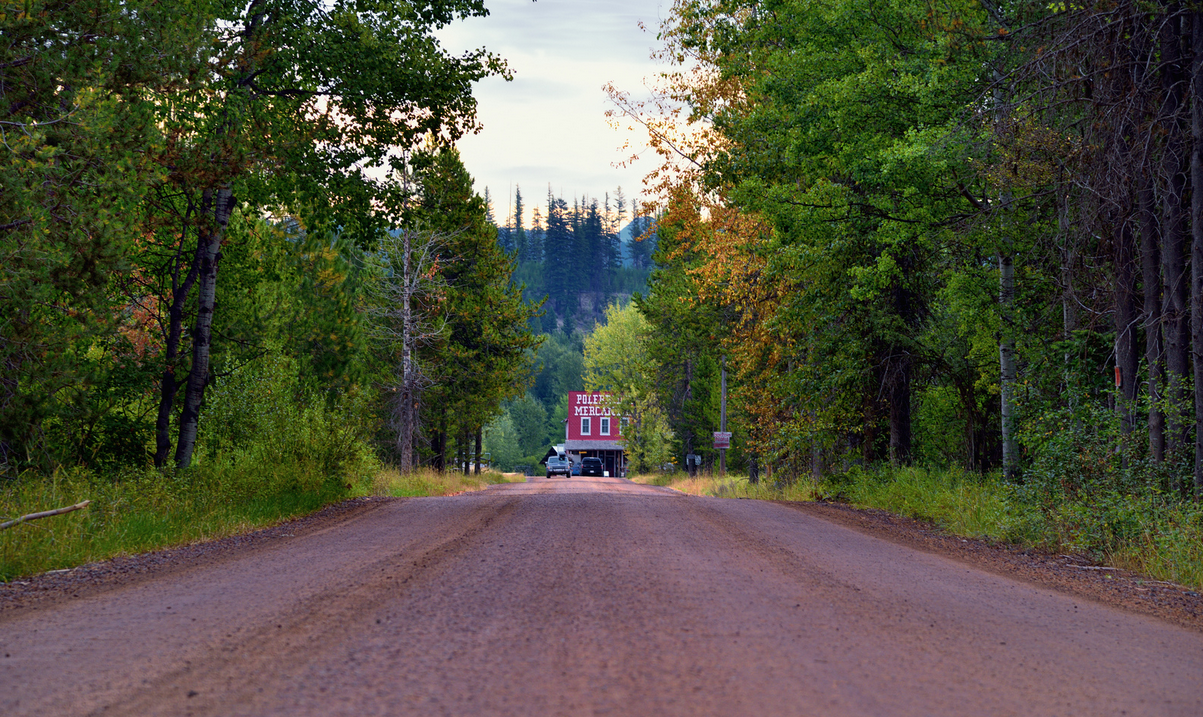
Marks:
<point>548,126</point>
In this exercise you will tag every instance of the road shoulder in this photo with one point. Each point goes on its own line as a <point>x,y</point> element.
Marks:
<point>1072,575</point>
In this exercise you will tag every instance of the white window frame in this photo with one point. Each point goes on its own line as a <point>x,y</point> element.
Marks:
<point>604,428</point>
<point>585,425</point>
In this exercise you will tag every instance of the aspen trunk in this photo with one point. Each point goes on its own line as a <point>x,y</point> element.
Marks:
<point>209,256</point>
<point>1006,363</point>
<point>405,433</point>
<point>169,384</point>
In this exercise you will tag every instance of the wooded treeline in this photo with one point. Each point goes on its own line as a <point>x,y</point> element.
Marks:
<point>579,257</point>
<point>200,217</point>
<point>957,233</point>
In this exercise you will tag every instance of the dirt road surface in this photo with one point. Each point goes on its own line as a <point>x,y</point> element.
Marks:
<point>589,597</point>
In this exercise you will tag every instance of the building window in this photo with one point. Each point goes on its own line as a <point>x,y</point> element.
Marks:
<point>605,427</point>
<point>584,426</point>
<point>622,424</point>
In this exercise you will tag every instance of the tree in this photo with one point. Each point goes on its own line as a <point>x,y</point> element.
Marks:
<point>408,313</point>
<point>482,358</point>
<point>297,104</point>
<point>80,83</point>
<point>617,362</point>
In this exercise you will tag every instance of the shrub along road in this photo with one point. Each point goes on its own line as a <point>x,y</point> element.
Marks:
<point>587,596</point>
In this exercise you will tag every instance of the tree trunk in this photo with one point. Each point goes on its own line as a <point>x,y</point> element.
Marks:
<point>1196,178</point>
<point>407,399</point>
<point>438,443</point>
<point>479,436</point>
<point>1150,264</point>
<point>1006,362</point>
<point>169,385</point>
<point>462,449</point>
<point>209,255</point>
<point>1126,318</point>
<point>1173,249</point>
<point>900,406</point>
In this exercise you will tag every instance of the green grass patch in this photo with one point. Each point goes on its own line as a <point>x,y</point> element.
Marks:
<point>1149,534</point>
<point>427,482</point>
<point>143,510</point>
<point>729,486</point>
<point>133,512</point>
<point>959,502</point>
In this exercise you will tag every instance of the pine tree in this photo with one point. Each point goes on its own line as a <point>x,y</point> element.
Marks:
<point>520,240</point>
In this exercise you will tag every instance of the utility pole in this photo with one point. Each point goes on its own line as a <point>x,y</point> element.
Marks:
<point>722,420</point>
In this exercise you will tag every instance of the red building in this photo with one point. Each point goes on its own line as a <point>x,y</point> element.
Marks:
<point>594,430</point>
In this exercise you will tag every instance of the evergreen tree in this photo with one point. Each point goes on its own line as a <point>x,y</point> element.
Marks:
<point>520,243</point>
<point>559,254</point>
<point>482,357</point>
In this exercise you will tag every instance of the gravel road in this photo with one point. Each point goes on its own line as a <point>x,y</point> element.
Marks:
<point>588,597</point>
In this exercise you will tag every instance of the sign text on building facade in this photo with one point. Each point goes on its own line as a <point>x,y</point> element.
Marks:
<point>591,418</point>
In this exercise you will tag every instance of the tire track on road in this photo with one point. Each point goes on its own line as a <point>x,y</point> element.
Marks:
<point>232,670</point>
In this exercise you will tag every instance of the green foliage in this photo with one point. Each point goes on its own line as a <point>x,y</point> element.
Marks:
<point>262,422</point>
<point>502,444</point>
<point>81,137</point>
<point>529,421</point>
<point>617,362</point>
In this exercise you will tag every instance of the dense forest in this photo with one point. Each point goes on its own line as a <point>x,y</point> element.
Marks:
<point>580,257</point>
<point>236,238</point>
<point>577,260</point>
<point>959,234</point>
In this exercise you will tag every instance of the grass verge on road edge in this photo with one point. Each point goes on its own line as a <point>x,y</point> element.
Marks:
<point>141,510</point>
<point>1163,540</point>
<point>427,482</point>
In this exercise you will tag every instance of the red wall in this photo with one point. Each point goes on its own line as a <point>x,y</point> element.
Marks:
<point>583,404</point>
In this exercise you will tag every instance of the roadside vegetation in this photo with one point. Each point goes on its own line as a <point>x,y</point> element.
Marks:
<point>1160,538</point>
<point>231,293</point>
<point>941,253</point>
<point>137,510</point>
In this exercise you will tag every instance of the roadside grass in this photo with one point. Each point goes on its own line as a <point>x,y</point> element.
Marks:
<point>140,510</point>
<point>729,486</point>
<point>134,512</point>
<point>1147,535</point>
<point>1150,536</point>
<point>962,503</point>
<point>427,482</point>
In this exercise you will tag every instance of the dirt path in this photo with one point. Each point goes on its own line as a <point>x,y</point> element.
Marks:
<point>582,597</point>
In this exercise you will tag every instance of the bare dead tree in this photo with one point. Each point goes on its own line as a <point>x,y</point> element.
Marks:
<point>408,313</point>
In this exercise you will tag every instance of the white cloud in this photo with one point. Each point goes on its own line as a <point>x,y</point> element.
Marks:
<point>548,126</point>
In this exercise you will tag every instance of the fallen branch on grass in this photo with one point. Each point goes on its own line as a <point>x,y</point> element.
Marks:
<point>1091,567</point>
<point>43,514</point>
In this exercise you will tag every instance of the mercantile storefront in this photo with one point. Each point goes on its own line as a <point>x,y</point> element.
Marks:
<point>593,430</point>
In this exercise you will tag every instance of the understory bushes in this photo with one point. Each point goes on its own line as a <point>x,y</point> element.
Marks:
<point>268,450</point>
<point>1150,532</point>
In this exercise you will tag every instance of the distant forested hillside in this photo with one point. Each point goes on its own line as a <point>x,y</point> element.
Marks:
<point>580,256</point>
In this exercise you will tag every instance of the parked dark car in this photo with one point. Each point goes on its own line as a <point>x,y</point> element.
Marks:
<point>558,466</point>
<point>592,467</point>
